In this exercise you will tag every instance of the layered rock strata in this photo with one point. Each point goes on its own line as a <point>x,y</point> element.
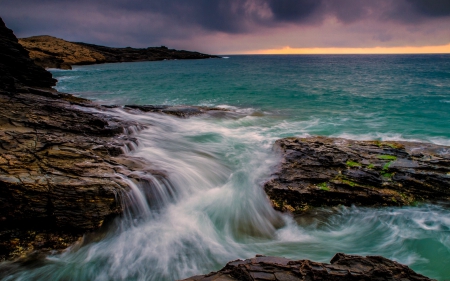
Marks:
<point>62,167</point>
<point>320,171</point>
<point>60,158</point>
<point>51,52</point>
<point>341,268</point>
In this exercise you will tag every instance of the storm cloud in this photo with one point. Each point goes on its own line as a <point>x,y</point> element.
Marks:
<point>248,23</point>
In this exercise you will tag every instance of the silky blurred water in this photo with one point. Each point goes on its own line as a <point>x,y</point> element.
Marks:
<point>211,208</point>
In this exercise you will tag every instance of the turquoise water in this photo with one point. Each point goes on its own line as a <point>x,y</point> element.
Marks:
<point>378,95</point>
<point>211,207</point>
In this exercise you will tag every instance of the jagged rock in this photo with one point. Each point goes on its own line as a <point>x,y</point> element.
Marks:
<point>322,171</point>
<point>61,158</point>
<point>62,162</point>
<point>59,167</point>
<point>16,68</point>
<point>342,267</point>
<point>51,52</point>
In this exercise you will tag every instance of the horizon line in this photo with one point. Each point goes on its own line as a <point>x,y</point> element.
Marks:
<point>287,50</point>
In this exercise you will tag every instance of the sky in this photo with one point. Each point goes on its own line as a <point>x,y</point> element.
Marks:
<point>241,26</point>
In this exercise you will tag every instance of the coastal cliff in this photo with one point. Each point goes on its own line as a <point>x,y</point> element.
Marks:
<point>52,52</point>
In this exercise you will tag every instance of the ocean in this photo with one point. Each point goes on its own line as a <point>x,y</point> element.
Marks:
<point>212,209</point>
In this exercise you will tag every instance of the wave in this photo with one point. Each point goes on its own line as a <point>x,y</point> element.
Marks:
<point>211,209</point>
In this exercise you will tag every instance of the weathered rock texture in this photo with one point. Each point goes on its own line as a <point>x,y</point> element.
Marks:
<point>341,268</point>
<point>62,168</point>
<point>323,171</point>
<point>48,51</point>
<point>59,158</point>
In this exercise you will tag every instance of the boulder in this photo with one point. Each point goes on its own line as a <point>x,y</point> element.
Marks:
<point>320,171</point>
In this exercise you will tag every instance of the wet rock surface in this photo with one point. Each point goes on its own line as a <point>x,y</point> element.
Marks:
<point>178,111</point>
<point>320,171</point>
<point>52,52</point>
<point>341,267</point>
<point>60,161</point>
<point>62,174</point>
<point>62,167</point>
<point>63,171</point>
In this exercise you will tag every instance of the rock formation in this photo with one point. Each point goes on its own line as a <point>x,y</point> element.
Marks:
<point>323,171</point>
<point>179,110</point>
<point>51,52</point>
<point>341,268</point>
<point>62,168</point>
<point>62,171</point>
<point>59,161</point>
<point>16,68</point>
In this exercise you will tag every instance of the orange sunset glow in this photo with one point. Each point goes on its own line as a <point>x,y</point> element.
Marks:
<point>443,49</point>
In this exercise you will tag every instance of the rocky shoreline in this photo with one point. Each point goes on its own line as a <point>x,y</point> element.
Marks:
<point>342,267</point>
<point>320,171</point>
<point>52,52</point>
<point>59,159</point>
<point>63,169</point>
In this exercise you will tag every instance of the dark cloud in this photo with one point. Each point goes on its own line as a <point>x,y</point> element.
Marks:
<point>417,11</point>
<point>293,10</point>
<point>431,8</point>
<point>152,22</point>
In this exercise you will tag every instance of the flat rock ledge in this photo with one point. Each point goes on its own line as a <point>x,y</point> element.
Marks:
<point>181,111</point>
<point>320,171</point>
<point>342,267</point>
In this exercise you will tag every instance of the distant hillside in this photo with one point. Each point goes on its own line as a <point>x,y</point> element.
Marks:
<point>52,52</point>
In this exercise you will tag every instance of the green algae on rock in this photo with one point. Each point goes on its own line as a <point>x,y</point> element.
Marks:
<point>362,173</point>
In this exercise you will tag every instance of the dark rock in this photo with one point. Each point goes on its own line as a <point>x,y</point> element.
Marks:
<point>60,167</point>
<point>321,171</point>
<point>182,111</point>
<point>16,68</point>
<point>342,267</point>
<point>61,159</point>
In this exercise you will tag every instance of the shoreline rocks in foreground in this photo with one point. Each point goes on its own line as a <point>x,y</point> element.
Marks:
<point>61,158</point>
<point>321,171</point>
<point>342,267</point>
<point>61,161</point>
<point>51,52</point>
